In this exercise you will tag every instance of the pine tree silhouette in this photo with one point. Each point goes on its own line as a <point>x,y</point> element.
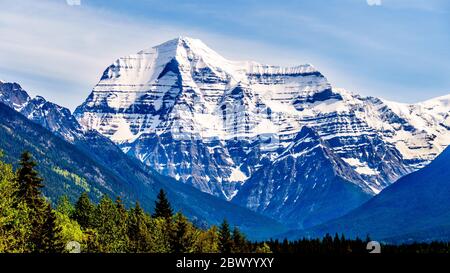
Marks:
<point>239,241</point>
<point>138,231</point>
<point>162,206</point>
<point>225,241</point>
<point>30,185</point>
<point>84,211</point>
<point>50,240</point>
<point>179,241</point>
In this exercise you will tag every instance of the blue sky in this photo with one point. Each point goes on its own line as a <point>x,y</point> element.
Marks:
<point>394,49</point>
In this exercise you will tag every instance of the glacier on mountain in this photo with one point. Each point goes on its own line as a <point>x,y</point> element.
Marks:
<point>237,129</point>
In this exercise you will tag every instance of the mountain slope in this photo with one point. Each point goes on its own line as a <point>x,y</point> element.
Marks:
<point>66,169</point>
<point>416,207</point>
<point>62,123</point>
<point>224,126</point>
<point>69,169</point>
<point>310,193</point>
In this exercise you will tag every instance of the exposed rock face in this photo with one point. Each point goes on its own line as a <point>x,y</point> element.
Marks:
<point>98,166</point>
<point>277,140</point>
<point>413,209</point>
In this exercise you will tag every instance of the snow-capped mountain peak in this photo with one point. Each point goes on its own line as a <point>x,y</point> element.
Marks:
<point>207,79</point>
<point>56,118</point>
<point>219,125</point>
<point>13,95</point>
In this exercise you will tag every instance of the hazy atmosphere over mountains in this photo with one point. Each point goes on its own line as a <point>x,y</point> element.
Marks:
<point>415,208</point>
<point>396,50</point>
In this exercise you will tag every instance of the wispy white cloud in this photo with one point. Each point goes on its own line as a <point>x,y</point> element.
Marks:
<point>58,42</point>
<point>57,39</point>
<point>374,2</point>
<point>435,6</point>
<point>60,51</point>
<point>72,45</point>
<point>73,2</point>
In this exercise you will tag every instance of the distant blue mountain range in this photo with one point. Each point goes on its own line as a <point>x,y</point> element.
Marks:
<point>415,208</point>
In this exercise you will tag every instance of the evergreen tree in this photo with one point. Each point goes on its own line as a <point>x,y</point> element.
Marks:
<point>84,211</point>
<point>50,240</point>
<point>285,246</point>
<point>110,235</point>
<point>160,231</point>
<point>91,242</point>
<point>64,206</point>
<point>327,243</point>
<point>239,242</point>
<point>30,185</point>
<point>121,210</point>
<point>163,223</point>
<point>263,248</point>
<point>162,206</point>
<point>121,225</point>
<point>225,241</point>
<point>182,236</point>
<point>70,229</point>
<point>138,232</point>
<point>207,241</point>
<point>15,226</point>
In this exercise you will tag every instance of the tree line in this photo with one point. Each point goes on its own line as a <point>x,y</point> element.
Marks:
<point>29,224</point>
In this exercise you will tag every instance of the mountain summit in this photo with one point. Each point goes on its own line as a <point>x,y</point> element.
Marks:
<point>279,140</point>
